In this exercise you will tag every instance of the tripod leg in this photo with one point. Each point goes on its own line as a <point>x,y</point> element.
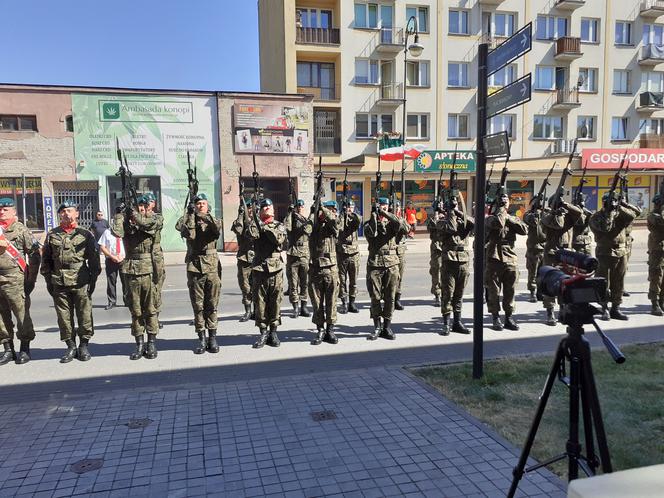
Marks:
<point>573,447</point>
<point>588,431</point>
<point>544,397</point>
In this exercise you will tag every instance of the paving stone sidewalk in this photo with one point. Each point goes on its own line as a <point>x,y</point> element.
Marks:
<point>387,434</point>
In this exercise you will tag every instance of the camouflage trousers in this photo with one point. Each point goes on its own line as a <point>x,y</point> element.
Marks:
<point>160,277</point>
<point>402,268</point>
<point>204,290</point>
<point>70,302</point>
<point>656,275</point>
<point>382,286</point>
<point>268,288</point>
<point>244,281</point>
<point>453,279</point>
<point>549,302</point>
<point>14,301</point>
<point>349,272</point>
<point>297,272</point>
<point>140,301</point>
<point>533,263</point>
<point>613,269</point>
<point>500,275</point>
<point>435,262</point>
<point>323,290</point>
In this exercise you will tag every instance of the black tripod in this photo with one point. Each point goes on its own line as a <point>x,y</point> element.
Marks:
<point>581,382</point>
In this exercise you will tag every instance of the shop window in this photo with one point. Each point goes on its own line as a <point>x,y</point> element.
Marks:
<point>34,205</point>
<point>142,184</point>
<point>17,123</point>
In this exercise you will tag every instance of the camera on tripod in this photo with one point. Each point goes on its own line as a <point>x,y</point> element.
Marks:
<point>571,282</point>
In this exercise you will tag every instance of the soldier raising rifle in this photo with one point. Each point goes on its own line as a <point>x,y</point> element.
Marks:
<point>656,254</point>
<point>581,236</point>
<point>348,252</point>
<point>245,250</point>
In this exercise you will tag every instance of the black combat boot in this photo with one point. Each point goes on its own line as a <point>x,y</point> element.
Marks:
<point>201,344</point>
<point>212,346</point>
<point>320,333</point>
<point>71,352</point>
<point>550,318</point>
<point>140,346</point>
<point>605,313</point>
<point>497,324</point>
<point>655,310</point>
<point>247,313</point>
<point>151,347</point>
<point>445,330</point>
<point>351,305</point>
<point>387,333</point>
<point>253,313</point>
<point>397,302</point>
<point>436,301</point>
<point>23,355</point>
<point>344,307</point>
<point>262,339</point>
<point>274,338</point>
<point>376,331</point>
<point>296,310</point>
<point>616,314</point>
<point>161,325</point>
<point>8,354</point>
<point>533,297</point>
<point>83,352</point>
<point>330,337</point>
<point>458,326</point>
<point>303,309</point>
<point>626,294</point>
<point>510,323</point>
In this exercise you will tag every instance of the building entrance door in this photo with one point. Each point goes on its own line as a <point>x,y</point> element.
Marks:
<point>83,193</point>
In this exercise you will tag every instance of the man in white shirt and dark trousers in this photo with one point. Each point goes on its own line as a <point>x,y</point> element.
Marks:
<point>113,250</point>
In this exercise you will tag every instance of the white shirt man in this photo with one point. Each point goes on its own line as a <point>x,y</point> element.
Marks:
<point>113,250</point>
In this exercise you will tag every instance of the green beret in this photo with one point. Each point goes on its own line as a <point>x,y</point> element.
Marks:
<point>383,200</point>
<point>351,203</point>
<point>143,199</point>
<point>149,196</point>
<point>266,202</point>
<point>657,199</point>
<point>67,204</point>
<point>7,202</point>
<point>330,204</point>
<point>299,202</point>
<point>200,197</point>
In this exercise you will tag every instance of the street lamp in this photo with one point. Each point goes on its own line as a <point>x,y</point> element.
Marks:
<point>415,50</point>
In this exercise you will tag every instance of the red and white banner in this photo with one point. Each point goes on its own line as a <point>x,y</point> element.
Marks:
<point>610,158</point>
<point>397,153</point>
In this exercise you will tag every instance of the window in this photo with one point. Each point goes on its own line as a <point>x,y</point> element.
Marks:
<point>502,24</point>
<point>653,33</point>
<point>459,22</point>
<point>545,78</point>
<point>651,126</point>
<point>314,18</point>
<point>585,127</point>
<point>368,125</point>
<point>551,28</point>
<point>652,81</point>
<point>548,127</point>
<point>457,126</point>
<point>621,81</point>
<point>317,75</point>
<point>417,126</point>
<point>457,74</point>
<point>588,79</point>
<point>421,15</point>
<point>417,73</point>
<point>502,122</point>
<point>366,72</point>
<point>503,76</point>
<point>327,132</point>
<point>69,123</point>
<point>619,128</point>
<point>623,33</point>
<point>18,123</point>
<point>12,187</point>
<point>366,15</point>
<point>590,30</point>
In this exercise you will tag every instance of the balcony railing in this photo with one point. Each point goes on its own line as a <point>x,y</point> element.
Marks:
<point>650,101</point>
<point>390,39</point>
<point>652,8</point>
<point>567,98</point>
<point>317,36</point>
<point>568,48</point>
<point>391,93</point>
<point>652,54</point>
<point>493,40</point>
<point>329,94</point>
<point>651,141</point>
<point>562,146</point>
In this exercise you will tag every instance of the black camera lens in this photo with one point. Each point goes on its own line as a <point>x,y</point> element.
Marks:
<point>549,281</point>
<point>578,260</point>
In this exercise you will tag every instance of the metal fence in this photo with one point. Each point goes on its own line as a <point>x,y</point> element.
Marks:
<point>85,194</point>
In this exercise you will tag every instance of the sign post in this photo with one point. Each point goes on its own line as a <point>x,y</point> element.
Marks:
<point>508,97</point>
<point>497,145</point>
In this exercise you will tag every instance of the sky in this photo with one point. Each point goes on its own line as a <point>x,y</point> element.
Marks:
<point>151,44</point>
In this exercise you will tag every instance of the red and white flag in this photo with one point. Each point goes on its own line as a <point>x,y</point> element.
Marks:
<point>397,153</point>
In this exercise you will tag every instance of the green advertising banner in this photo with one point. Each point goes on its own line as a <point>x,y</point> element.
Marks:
<point>435,160</point>
<point>155,132</point>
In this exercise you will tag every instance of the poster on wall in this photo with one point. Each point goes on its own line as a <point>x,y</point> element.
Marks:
<point>155,133</point>
<point>270,129</point>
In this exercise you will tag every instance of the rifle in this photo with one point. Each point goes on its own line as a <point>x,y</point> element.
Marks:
<point>577,197</point>
<point>501,186</point>
<point>345,197</point>
<point>129,197</point>
<point>624,194</point>
<point>557,198</point>
<point>291,190</point>
<point>245,209</point>
<point>538,201</point>
<point>376,206</point>
<point>318,193</point>
<point>192,181</point>
<point>256,196</point>
<point>392,195</point>
<point>617,177</point>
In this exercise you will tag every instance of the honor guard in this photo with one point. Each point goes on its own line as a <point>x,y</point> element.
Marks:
<point>298,229</point>
<point>581,237</point>
<point>401,251</point>
<point>656,256</point>
<point>435,251</point>
<point>348,257</point>
<point>245,254</point>
<point>158,254</point>
<point>534,247</point>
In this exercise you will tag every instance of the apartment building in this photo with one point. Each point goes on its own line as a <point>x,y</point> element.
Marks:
<point>596,67</point>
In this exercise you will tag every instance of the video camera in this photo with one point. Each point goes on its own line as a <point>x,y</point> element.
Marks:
<point>575,287</point>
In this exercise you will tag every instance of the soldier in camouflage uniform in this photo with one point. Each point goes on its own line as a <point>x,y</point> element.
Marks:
<point>656,256</point>
<point>298,228</point>
<point>455,227</point>
<point>557,226</point>
<point>436,253</point>
<point>245,255</point>
<point>348,258</point>
<point>70,265</point>
<point>324,281</point>
<point>401,251</point>
<point>381,232</point>
<point>608,225</point>
<point>534,247</point>
<point>201,230</point>
<point>158,255</point>
<point>502,268</point>
<point>138,230</point>
<point>581,237</point>
<point>269,236</point>
<point>19,268</point>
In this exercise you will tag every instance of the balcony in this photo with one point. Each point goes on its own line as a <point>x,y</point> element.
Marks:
<point>651,55</point>
<point>390,40</point>
<point>493,40</point>
<point>651,141</point>
<point>491,2</point>
<point>391,94</point>
<point>562,146</point>
<point>566,99</point>
<point>568,48</point>
<point>652,8</point>
<point>317,36</point>
<point>569,4</point>
<point>321,94</point>
<point>650,102</point>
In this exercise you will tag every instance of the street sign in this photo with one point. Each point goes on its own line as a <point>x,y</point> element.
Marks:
<point>511,49</point>
<point>508,97</point>
<point>497,145</point>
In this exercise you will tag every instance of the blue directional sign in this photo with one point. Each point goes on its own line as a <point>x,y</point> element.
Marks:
<point>511,49</point>
<point>508,97</point>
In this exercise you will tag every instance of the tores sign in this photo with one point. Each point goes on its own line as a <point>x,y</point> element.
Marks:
<point>610,158</point>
